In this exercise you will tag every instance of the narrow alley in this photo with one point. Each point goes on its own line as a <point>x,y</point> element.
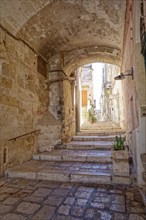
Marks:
<point>73,109</point>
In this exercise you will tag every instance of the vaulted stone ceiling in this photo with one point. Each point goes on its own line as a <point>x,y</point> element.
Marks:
<point>60,26</point>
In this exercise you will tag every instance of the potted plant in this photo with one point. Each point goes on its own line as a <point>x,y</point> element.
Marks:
<point>120,159</point>
<point>119,142</point>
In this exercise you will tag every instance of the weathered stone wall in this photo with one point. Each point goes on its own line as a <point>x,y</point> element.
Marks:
<point>68,123</point>
<point>24,100</point>
<point>135,95</point>
<point>50,123</point>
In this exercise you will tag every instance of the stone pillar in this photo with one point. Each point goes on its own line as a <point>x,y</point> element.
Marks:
<point>78,103</point>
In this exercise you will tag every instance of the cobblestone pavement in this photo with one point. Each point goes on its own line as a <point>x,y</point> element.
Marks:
<point>23,199</point>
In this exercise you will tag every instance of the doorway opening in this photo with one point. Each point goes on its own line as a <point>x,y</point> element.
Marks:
<point>101,99</point>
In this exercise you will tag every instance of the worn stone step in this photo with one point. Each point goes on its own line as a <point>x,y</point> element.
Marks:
<point>97,156</point>
<point>93,138</point>
<point>62,171</point>
<point>99,133</point>
<point>90,145</point>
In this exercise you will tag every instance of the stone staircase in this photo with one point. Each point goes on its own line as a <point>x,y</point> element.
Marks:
<point>85,159</point>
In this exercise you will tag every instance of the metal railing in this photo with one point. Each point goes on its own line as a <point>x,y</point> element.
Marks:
<point>14,139</point>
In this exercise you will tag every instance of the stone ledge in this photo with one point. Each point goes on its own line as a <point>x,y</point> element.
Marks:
<point>121,180</point>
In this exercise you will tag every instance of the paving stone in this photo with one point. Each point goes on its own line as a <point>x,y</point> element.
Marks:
<point>77,211</point>
<point>63,217</point>
<point>105,216</point>
<point>3,196</point>
<point>135,217</point>
<point>66,185</point>
<point>64,209</point>
<point>12,216</point>
<point>34,199</point>
<point>102,199</point>
<point>42,192</point>
<point>22,193</point>
<point>98,205</point>
<point>44,213</point>
<point>8,190</point>
<point>118,216</point>
<point>61,192</point>
<point>81,202</point>
<point>69,200</point>
<point>20,183</point>
<point>86,189</point>
<point>10,201</point>
<point>118,199</point>
<point>100,189</point>
<point>90,213</point>
<point>117,207</point>
<point>48,184</point>
<point>54,200</point>
<point>27,208</point>
<point>82,194</point>
<point>116,191</point>
<point>5,208</point>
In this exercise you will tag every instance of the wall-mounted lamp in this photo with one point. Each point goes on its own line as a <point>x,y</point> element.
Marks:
<point>122,76</point>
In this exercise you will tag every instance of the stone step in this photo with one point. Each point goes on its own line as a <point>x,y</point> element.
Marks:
<point>62,171</point>
<point>97,156</point>
<point>99,133</point>
<point>90,145</point>
<point>93,138</point>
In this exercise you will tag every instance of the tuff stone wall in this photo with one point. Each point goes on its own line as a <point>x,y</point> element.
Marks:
<point>50,123</point>
<point>134,89</point>
<point>24,100</point>
<point>68,123</point>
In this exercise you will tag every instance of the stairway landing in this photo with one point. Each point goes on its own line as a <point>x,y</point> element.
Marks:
<point>83,160</point>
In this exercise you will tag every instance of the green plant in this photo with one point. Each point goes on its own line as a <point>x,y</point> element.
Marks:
<point>118,143</point>
<point>93,119</point>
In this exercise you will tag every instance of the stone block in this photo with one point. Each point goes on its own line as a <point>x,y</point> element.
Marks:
<point>98,159</point>
<point>21,174</point>
<point>12,216</point>
<point>90,178</point>
<point>6,83</point>
<point>45,212</point>
<point>10,101</point>
<point>74,158</point>
<point>64,209</point>
<point>5,208</point>
<point>27,208</point>
<point>50,157</point>
<point>120,159</point>
<point>121,168</point>
<point>36,157</point>
<point>52,175</point>
<point>121,180</point>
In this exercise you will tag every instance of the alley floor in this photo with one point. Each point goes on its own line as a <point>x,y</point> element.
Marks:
<point>24,199</point>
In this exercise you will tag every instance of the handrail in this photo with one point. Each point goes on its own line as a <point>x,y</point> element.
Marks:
<point>23,135</point>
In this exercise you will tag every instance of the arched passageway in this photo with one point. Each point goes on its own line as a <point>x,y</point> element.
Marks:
<point>42,45</point>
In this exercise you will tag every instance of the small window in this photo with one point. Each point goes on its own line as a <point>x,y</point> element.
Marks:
<point>42,66</point>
